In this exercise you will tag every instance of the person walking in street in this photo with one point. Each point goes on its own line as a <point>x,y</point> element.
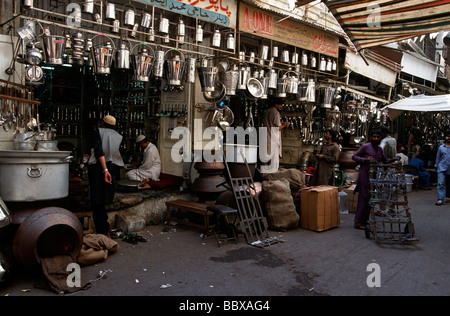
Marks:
<point>327,159</point>
<point>104,167</point>
<point>150,169</point>
<point>443,167</point>
<point>367,153</point>
<point>272,121</point>
<point>388,143</point>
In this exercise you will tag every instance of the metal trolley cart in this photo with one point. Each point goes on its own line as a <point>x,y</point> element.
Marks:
<point>390,217</point>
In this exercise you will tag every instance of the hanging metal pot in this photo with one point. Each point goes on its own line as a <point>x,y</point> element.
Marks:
<point>175,67</point>
<point>207,75</point>
<point>146,20</point>
<point>326,96</point>
<point>302,88</point>
<point>53,49</point>
<point>292,87</point>
<point>311,91</point>
<point>143,64</point>
<point>130,15</point>
<point>273,79</point>
<point>244,74</point>
<point>103,56</point>
<point>123,57</point>
<point>158,68</point>
<point>230,79</point>
<point>191,68</point>
<point>282,84</point>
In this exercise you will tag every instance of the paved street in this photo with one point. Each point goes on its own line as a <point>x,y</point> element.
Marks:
<point>180,263</point>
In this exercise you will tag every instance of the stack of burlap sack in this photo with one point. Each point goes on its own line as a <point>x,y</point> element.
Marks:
<point>277,198</point>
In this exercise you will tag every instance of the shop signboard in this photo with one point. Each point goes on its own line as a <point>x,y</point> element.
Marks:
<point>221,12</point>
<point>272,26</point>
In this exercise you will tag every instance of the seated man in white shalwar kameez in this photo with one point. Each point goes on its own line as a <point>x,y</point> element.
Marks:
<point>150,169</point>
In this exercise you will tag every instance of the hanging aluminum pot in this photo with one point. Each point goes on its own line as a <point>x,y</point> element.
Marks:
<point>143,64</point>
<point>273,79</point>
<point>326,97</point>
<point>282,84</point>
<point>311,91</point>
<point>292,87</point>
<point>130,15</point>
<point>123,57</point>
<point>146,20</point>
<point>265,84</point>
<point>191,68</point>
<point>244,74</point>
<point>158,68</point>
<point>302,88</point>
<point>88,6</point>
<point>285,56</point>
<point>103,56</point>
<point>230,79</point>
<point>110,11</point>
<point>175,67</point>
<point>207,75</point>
<point>53,49</point>
<point>263,54</point>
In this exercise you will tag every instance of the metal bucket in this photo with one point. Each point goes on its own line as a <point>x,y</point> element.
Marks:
<point>273,79</point>
<point>143,65</point>
<point>208,76</point>
<point>53,49</point>
<point>175,67</point>
<point>326,95</point>
<point>230,79</point>
<point>47,233</point>
<point>103,55</point>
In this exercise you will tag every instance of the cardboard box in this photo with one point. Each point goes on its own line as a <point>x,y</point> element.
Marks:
<point>352,198</point>
<point>320,208</point>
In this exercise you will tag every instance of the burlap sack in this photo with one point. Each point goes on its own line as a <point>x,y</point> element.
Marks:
<point>295,177</point>
<point>279,205</point>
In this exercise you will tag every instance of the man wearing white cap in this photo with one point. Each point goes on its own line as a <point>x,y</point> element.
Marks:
<point>104,167</point>
<point>150,168</point>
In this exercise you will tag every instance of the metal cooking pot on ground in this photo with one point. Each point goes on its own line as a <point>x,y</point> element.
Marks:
<point>34,175</point>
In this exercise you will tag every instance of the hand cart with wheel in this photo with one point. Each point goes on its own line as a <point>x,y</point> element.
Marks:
<point>390,216</point>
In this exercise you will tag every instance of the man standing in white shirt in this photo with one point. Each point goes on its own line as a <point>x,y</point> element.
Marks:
<point>388,143</point>
<point>150,169</point>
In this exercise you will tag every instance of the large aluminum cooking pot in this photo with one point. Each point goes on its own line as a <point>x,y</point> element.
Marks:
<point>34,175</point>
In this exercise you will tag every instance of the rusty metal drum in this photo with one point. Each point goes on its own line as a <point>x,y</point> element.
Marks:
<point>47,233</point>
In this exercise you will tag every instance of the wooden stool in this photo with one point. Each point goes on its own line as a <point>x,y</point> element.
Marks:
<point>88,215</point>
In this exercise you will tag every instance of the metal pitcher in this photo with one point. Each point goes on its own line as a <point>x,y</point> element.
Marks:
<point>265,84</point>
<point>292,87</point>
<point>244,75</point>
<point>103,55</point>
<point>230,79</point>
<point>208,76</point>
<point>143,64</point>
<point>53,49</point>
<point>282,84</point>
<point>123,57</point>
<point>158,68</point>
<point>191,66</point>
<point>273,79</point>
<point>175,67</point>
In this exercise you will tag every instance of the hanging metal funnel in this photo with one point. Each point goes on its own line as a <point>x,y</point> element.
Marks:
<point>230,79</point>
<point>175,67</point>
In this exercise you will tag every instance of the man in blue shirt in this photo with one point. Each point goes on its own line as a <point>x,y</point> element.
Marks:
<point>424,175</point>
<point>443,167</point>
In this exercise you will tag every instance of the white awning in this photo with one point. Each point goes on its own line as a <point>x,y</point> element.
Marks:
<point>419,103</point>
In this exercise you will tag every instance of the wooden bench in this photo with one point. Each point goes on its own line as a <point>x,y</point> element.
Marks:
<point>190,207</point>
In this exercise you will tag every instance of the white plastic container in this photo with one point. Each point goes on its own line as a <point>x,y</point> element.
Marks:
<point>343,203</point>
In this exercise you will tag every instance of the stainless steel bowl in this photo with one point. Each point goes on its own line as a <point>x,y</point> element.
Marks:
<point>217,95</point>
<point>255,89</point>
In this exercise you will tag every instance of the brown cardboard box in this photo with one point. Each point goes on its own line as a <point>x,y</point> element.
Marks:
<point>320,208</point>
<point>352,198</point>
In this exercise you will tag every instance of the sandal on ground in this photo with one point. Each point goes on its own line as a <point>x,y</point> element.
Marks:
<point>439,202</point>
<point>359,226</point>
